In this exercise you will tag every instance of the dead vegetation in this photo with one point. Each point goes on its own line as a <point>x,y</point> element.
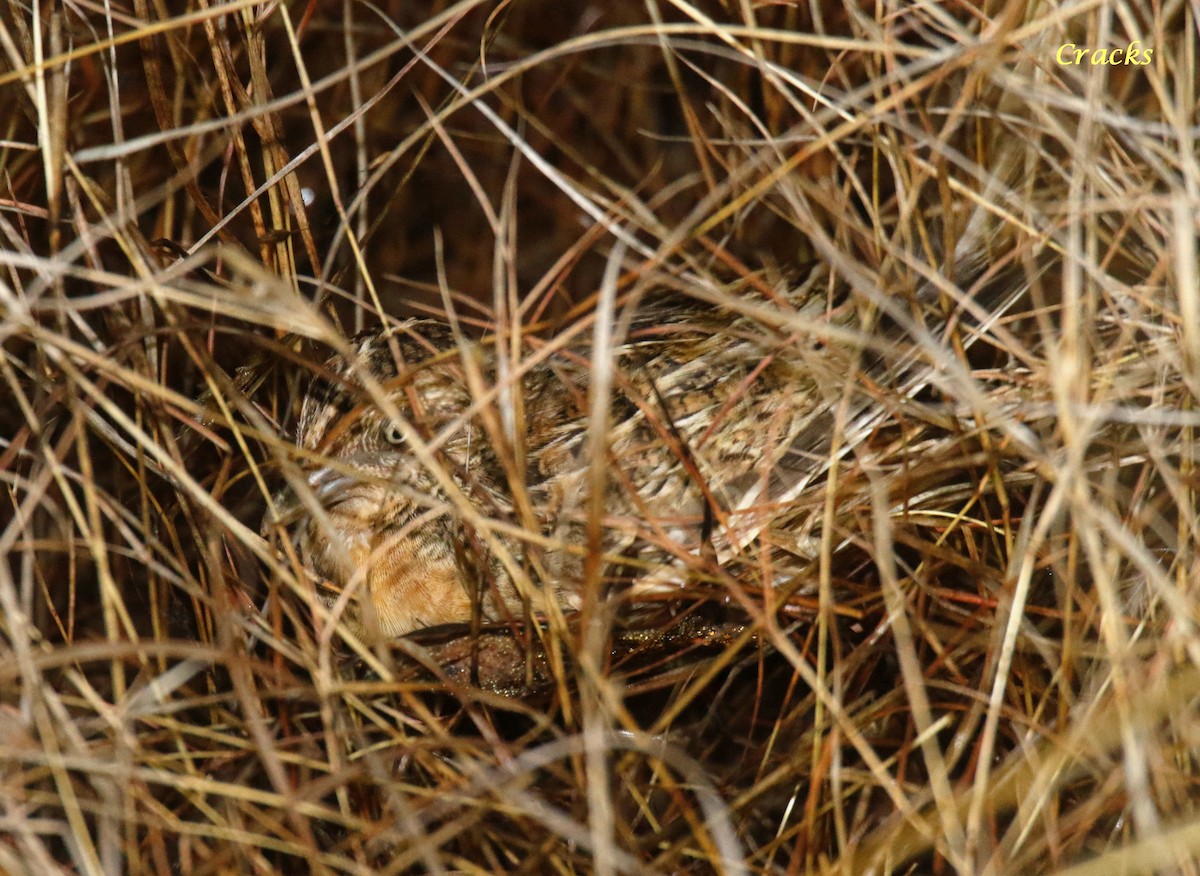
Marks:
<point>987,658</point>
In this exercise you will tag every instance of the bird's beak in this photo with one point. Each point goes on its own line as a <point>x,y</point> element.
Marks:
<point>326,486</point>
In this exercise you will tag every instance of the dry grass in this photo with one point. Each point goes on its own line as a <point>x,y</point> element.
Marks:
<point>989,658</point>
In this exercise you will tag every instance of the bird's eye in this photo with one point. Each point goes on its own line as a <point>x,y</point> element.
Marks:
<point>392,433</point>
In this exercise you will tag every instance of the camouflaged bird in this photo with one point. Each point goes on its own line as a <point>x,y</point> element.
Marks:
<point>717,420</point>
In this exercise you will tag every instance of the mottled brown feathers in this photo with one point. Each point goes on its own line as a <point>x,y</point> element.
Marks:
<point>714,421</point>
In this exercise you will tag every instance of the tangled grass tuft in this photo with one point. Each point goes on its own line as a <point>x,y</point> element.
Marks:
<point>987,657</point>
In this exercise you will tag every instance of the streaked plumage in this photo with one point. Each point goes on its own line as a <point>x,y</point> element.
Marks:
<point>717,420</point>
